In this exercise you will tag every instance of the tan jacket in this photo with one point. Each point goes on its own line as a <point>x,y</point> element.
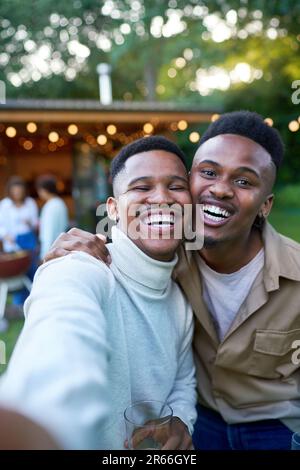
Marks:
<point>250,375</point>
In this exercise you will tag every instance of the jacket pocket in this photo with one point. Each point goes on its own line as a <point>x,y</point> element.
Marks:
<point>273,353</point>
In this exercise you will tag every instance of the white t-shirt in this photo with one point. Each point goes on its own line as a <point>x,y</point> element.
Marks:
<point>53,221</point>
<point>224,294</point>
<point>13,220</point>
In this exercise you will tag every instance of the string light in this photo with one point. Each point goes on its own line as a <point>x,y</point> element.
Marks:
<point>173,126</point>
<point>53,136</point>
<point>182,125</point>
<point>294,126</point>
<point>269,121</point>
<point>111,129</point>
<point>72,129</point>
<point>194,137</point>
<point>31,127</point>
<point>214,117</point>
<point>101,139</point>
<point>148,128</point>
<point>11,132</point>
<point>27,145</point>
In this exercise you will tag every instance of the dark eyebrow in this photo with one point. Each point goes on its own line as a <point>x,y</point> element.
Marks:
<point>249,170</point>
<point>143,178</point>
<point>211,162</point>
<point>241,168</point>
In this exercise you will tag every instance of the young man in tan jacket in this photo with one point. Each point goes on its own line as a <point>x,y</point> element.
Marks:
<point>244,287</point>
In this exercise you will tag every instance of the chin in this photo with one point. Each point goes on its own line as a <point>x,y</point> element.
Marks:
<point>210,242</point>
<point>163,250</point>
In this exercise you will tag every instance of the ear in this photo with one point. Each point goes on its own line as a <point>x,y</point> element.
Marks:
<point>112,208</point>
<point>266,207</point>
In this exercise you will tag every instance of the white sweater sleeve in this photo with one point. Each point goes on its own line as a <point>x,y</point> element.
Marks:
<point>183,397</point>
<point>57,375</point>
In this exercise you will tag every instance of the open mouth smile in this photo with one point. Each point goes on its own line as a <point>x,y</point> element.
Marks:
<point>215,215</point>
<point>159,220</point>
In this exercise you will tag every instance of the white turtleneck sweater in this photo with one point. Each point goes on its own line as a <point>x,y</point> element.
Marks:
<point>97,339</point>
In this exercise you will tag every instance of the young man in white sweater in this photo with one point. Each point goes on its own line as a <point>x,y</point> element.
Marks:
<point>97,339</point>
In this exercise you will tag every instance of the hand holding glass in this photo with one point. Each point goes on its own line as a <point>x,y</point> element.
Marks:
<point>148,424</point>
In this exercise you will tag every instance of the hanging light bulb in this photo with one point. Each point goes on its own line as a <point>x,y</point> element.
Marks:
<point>11,132</point>
<point>53,136</point>
<point>31,127</point>
<point>148,128</point>
<point>72,129</point>
<point>194,137</point>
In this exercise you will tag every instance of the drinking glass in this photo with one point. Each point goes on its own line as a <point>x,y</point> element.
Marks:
<point>148,424</point>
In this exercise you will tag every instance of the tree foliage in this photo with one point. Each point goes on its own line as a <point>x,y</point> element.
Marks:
<point>50,50</point>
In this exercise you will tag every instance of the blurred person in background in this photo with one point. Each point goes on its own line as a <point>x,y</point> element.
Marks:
<point>18,226</point>
<point>54,213</point>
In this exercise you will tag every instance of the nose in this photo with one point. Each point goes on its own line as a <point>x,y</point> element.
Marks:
<point>221,190</point>
<point>161,195</point>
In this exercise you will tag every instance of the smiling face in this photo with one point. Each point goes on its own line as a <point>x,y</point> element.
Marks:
<point>232,176</point>
<point>150,179</point>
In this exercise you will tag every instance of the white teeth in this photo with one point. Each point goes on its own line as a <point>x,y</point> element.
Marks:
<point>212,217</point>
<point>158,219</point>
<point>215,210</point>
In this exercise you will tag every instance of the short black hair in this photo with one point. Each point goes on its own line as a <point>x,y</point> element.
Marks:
<point>251,125</point>
<point>47,182</point>
<point>145,144</point>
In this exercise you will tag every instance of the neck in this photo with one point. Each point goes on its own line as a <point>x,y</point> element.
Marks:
<point>231,255</point>
<point>49,197</point>
<point>18,203</point>
<point>129,258</point>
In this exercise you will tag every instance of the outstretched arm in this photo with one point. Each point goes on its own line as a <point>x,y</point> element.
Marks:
<point>57,375</point>
<point>20,433</point>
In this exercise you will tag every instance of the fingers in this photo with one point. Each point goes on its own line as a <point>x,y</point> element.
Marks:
<point>140,435</point>
<point>79,240</point>
<point>77,232</point>
<point>55,253</point>
<point>179,442</point>
<point>173,443</point>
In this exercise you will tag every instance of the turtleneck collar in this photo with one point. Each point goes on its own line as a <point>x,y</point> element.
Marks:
<point>138,266</point>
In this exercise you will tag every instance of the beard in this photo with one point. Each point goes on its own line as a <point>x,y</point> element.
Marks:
<point>210,242</point>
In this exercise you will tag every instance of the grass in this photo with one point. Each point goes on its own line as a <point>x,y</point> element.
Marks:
<point>287,223</point>
<point>10,338</point>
